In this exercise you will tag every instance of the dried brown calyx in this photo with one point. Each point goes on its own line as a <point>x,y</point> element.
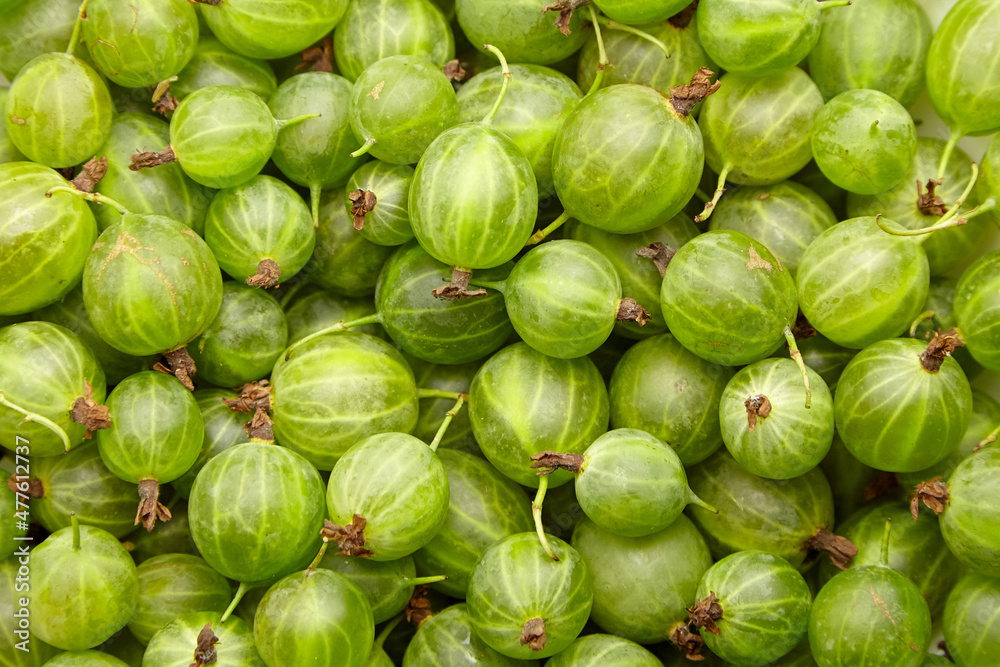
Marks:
<point>268,274</point>
<point>928,202</point>
<point>163,100</point>
<point>683,18</point>
<point>660,253</point>
<point>32,488</point>
<point>260,426</point>
<point>933,494</point>
<point>565,9</point>
<point>88,412</point>
<point>684,98</point>
<point>458,288</point>
<point>688,641</point>
<point>253,396</point>
<point>842,551</point>
<point>350,538</point>
<point>547,463</point>
<point>204,653</point>
<point>418,607</point>
<point>802,328</point>
<point>91,174</point>
<point>939,349</point>
<point>881,484</point>
<point>457,71</point>
<point>705,613</point>
<point>533,634</point>
<point>362,203</point>
<point>757,406</point>
<point>319,57</point>
<point>145,159</point>
<point>179,364</point>
<point>150,507</point>
<point>629,310</point>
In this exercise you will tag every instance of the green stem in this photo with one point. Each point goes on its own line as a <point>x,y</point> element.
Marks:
<point>949,148</point>
<point>76,530</point>
<point>240,592</point>
<point>695,500</point>
<point>339,326</point>
<point>540,235</point>
<point>987,206</point>
<point>74,38</point>
<point>387,630</point>
<point>282,124</point>
<point>488,119</point>
<point>365,147</point>
<point>319,557</point>
<point>447,422</point>
<point>720,188</point>
<point>615,25</point>
<point>95,197</point>
<point>38,419</point>
<point>884,559</point>
<point>953,218</point>
<point>921,318</point>
<point>438,393</point>
<point>826,4</point>
<point>536,513</point>
<point>315,191</point>
<point>420,581</point>
<point>602,54</point>
<point>498,285</point>
<point>988,440</point>
<point>793,352</point>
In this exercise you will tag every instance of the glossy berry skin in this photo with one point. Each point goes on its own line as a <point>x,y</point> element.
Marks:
<point>9,603</point>
<point>877,295</point>
<point>626,185</point>
<point>519,29</point>
<point>449,638</point>
<point>171,646</point>
<point>604,651</point>
<point>13,532</point>
<point>223,429</point>
<point>895,415</point>
<point>271,29</point>
<point>989,183</point>
<point>388,224</point>
<point>31,29</point>
<point>516,581</point>
<point>765,607</point>
<point>85,659</point>
<point>864,141</point>
<point>969,522</point>
<point>8,151</point>
<point>318,310</point>
<point>58,110</point>
<point>314,617</point>
<point>970,620</point>
<point>639,11</point>
<point>44,242</point>
<point>213,64</point>
<point>344,262</point>
<point>727,298</point>
<point>976,299</point>
<point>433,409</point>
<point>386,585</point>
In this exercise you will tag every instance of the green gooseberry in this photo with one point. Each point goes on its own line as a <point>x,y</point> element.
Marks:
<point>970,620</point>
<point>785,218</point>
<point>916,549</point>
<point>260,231</point>
<point>385,219</point>
<point>244,340</point>
<point>640,278</point>
<point>758,39</point>
<point>143,43</point>
<point>33,28</point>
<point>8,151</point>
<point>864,141</point>
<point>222,136</point>
<point>536,105</point>
<point>785,517</point>
<point>989,183</point>
<point>771,425</point>
<point>524,604</point>
<point>321,310</point>
<point>165,191</point>
<point>271,29</point>
<point>58,110</point>
<point>876,44</point>
<point>449,638</point>
<point>85,659</point>
<point>823,356</point>
<point>970,517</point>
<point>38,406</point>
<point>175,643</point>
<point>80,483</point>
<point>399,105</point>
<point>902,406</point>
<point>372,30</point>
<point>634,12</point>
<point>628,157</point>
<point>14,532</point>
<point>224,428</point>
<point>172,585</point>
<point>836,198</point>
<point>976,300</point>
<point>173,537</point>
<point>758,605</point>
<point>523,402</point>
<point>662,388</point>
<point>344,262</point>
<point>483,507</point>
<point>338,389</point>
<point>212,64</point>
<point>850,480</point>
<point>520,30</point>
<point>85,587</point>
<point>446,378</point>
<point>876,296</point>
<point>604,651</point>
<point>44,241</point>
<point>279,496</point>
<point>663,570</point>
<point>318,617</point>
<point>11,635</point>
<point>728,299</point>
<point>870,615</point>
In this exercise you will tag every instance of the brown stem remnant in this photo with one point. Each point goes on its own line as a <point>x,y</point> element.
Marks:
<point>350,538</point>
<point>688,641</point>
<point>705,613</point>
<point>533,634</point>
<point>842,551</point>
<point>418,607</point>
<point>163,100</point>
<point>179,364</point>
<point>145,159</point>
<point>629,310</point>
<point>939,349</point>
<point>933,494</point>
<point>660,253</point>
<point>565,9</point>
<point>91,174</point>
<point>150,507</point>
<point>362,203</point>
<point>318,57</point>
<point>548,462</point>
<point>260,427</point>
<point>881,484</point>
<point>684,98</point>
<point>683,18</point>
<point>757,406</point>
<point>253,396</point>
<point>88,412</point>
<point>802,328</point>
<point>456,71</point>
<point>458,288</point>
<point>268,274</point>
<point>929,203</point>
<point>205,653</point>
<point>32,488</point>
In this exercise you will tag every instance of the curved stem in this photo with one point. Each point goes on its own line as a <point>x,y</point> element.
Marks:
<point>720,188</point>
<point>240,592</point>
<point>693,499</point>
<point>319,557</point>
<point>949,148</point>
<point>952,217</point>
<point>420,581</point>
<point>793,352</point>
<point>536,513</point>
<point>339,326</point>
<point>921,318</point>
<point>95,197</point>
<point>315,191</point>
<point>884,559</point>
<point>438,393</point>
<point>826,4</point>
<point>38,419</point>
<point>76,530</point>
<point>988,440</point>
<point>74,38</point>
<point>540,235</point>
<point>387,630</point>
<point>447,422</point>
<point>365,147</point>
<point>602,54</point>
<point>282,124</point>
<point>987,206</point>
<point>488,119</point>
<point>615,25</point>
